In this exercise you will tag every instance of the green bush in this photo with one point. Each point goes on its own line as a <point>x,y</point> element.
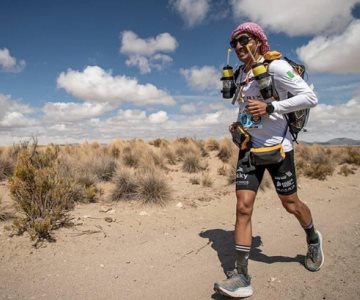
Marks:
<point>43,196</point>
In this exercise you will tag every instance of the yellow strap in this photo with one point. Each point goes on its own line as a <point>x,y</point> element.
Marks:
<point>270,148</point>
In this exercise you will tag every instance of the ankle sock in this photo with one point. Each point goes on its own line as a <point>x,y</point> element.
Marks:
<point>311,236</point>
<point>242,257</point>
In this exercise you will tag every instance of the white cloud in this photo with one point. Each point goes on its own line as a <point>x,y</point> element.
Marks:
<point>188,108</point>
<point>159,117</point>
<point>13,113</point>
<point>202,78</point>
<point>307,17</point>
<point>95,85</point>
<point>337,54</point>
<point>193,12</point>
<point>70,112</point>
<point>8,63</point>
<point>331,121</point>
<point>148,53</point>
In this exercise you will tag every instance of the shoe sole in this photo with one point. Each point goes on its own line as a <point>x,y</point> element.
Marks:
<point>239,293</point>
<point>321,250</point>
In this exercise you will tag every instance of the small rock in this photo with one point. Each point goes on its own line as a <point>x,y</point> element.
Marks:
<point>108,219</point>
<point>143,213</point>
<point>102,266</point>
<point>179,205</point>
<point>104,209</point>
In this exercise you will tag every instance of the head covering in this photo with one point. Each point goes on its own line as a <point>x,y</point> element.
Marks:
<point>256,31</point>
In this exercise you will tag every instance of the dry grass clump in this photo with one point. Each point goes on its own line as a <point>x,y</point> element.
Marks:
<point>346,170</point>
<point>7,163</point>
<point>152,186</point>
<point>351,155</point>
<point>206,180</point>
<point>168,153</point>
<point>43,195</point>
<point>315,162</point>
<point>147,184</point>
<point>226,150</point>
<point>194,180</point>
<point>159,143</point>
<point>192,163</point>
<point>223,170</point>
<point>212,145</point>
<point>125,184</point>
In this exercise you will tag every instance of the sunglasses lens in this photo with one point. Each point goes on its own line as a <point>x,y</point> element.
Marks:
<point>243,40</point>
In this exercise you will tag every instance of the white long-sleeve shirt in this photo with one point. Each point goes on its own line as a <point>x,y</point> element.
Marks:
<point>269,130</point>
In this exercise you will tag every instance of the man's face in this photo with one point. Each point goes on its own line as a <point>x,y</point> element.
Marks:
<point>241,44</point>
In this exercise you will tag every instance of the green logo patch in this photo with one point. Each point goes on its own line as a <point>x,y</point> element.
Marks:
<point>291,74</point>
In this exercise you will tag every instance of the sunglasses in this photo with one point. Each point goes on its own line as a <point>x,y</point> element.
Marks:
<point>243,40</point>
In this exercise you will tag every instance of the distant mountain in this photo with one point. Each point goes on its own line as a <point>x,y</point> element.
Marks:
<point>341,141</point>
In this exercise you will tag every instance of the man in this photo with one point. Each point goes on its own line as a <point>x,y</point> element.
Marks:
<point>263,119</point>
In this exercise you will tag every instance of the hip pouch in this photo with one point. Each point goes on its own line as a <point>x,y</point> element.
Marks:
<point>267,155</point>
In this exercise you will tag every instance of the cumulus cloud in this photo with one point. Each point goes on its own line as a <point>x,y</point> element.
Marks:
<point>13,114</point>
<point>96,85</point>
<point>8,63</point>
<point>193,12</point>
<point>159,117</point>
<point>148,53</point>
<point>337,53</point>
<point>331,121</point>
<point>307,17</point>
<point>188,108</point>
<point>71,112</point>
<point>206,78</point>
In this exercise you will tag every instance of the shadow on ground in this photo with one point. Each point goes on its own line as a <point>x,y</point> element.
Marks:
<point>222,241</point>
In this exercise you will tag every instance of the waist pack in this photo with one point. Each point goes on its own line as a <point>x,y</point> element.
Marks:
<point>249,156</point>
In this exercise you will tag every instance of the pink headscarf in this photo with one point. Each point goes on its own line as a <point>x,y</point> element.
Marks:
<point>256,31</point>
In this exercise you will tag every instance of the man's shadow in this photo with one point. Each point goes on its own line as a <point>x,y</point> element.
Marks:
<point>222,241</point>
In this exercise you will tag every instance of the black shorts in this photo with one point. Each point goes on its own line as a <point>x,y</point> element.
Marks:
<point>282,174</point>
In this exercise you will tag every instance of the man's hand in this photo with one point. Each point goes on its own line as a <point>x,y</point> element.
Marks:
<point>256,108</point>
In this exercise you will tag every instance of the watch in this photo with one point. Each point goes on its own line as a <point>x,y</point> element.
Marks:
<point>269,108</point>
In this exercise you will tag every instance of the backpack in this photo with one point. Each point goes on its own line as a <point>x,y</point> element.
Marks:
<point>298,119</point>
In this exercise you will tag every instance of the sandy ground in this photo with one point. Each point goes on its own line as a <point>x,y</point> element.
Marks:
<point>180,250</point>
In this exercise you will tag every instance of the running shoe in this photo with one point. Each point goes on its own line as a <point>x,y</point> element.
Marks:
<point>315,256</point>
<point>236,285</point>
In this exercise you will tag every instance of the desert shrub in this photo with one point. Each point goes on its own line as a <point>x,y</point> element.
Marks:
<point>351,155</point>
<point>319,167</point>
<point>7,163</point>
<point>115,148</point>
<point>194,180</point>
<point>152,186</point>
<point>206,180</point>
<point>125,184</point>
<point>192,163</point>
<point>102,165</point>
<point>226,150</point>
<point>222,170</point>
<point>43,196</point>
<point>159,143</point>
<point>212,145</point>
<point>169,154</point>
<point>346,171</point>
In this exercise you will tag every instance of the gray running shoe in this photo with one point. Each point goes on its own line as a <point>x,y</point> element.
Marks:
<point>236,286</point>
<point>315,256</point>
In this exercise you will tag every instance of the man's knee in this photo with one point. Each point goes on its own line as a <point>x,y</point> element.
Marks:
<point>244,205</point>
<point>291,203</point>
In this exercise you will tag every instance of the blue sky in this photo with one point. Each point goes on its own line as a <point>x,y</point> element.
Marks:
<point>102,70</point>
